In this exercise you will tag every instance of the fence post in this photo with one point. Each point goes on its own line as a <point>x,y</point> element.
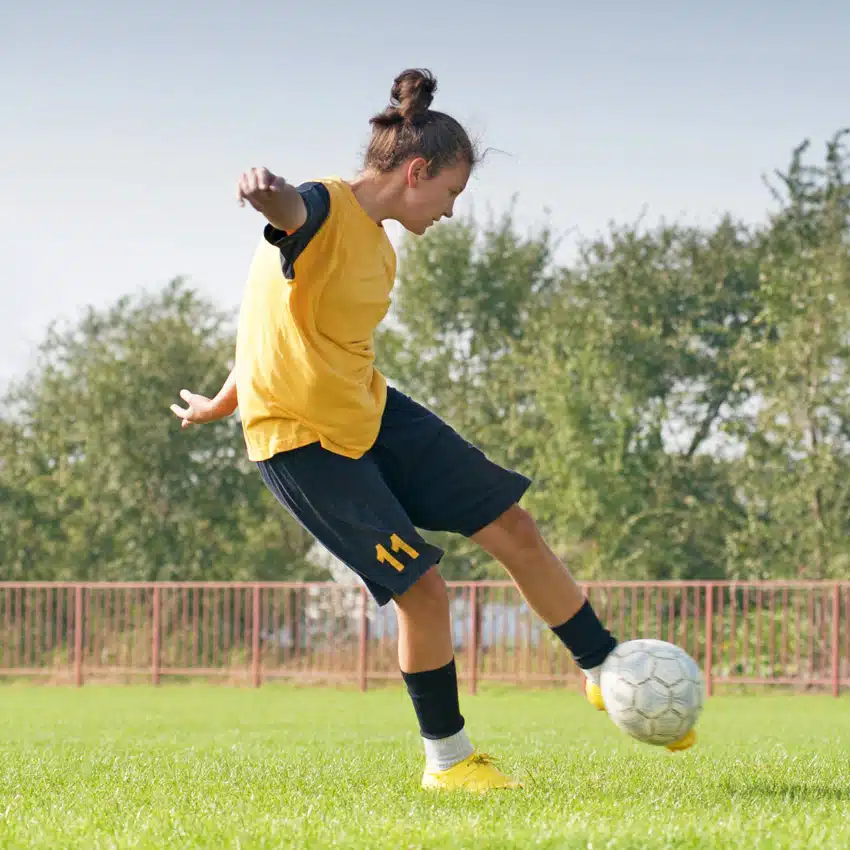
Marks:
<point>155,642</point>
<point>709,638</point>
<point>473,639</point>
<point>836,632</point>
<point>78,636</point>
<point>364,629</point>
<point>255,638</point>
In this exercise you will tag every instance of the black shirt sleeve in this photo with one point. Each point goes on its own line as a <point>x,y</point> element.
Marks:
<point>317,200</point>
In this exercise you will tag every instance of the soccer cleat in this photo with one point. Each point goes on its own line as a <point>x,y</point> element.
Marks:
<point>594,697</point>
<point>475,773</point>
<point>683,743</point>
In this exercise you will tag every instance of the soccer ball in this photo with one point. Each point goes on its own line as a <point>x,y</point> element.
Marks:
<point>653,690</point>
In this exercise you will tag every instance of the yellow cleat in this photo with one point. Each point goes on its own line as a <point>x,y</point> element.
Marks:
<point>684,743</point>
<point>476,773</point>
<point>594,697</point>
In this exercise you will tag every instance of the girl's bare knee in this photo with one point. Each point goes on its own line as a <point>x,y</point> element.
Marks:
<point>428,596</point>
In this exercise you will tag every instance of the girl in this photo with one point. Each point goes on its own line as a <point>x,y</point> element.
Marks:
<point>359,464</point>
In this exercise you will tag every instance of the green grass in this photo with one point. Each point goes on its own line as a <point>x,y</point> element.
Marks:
<point>179,767</point>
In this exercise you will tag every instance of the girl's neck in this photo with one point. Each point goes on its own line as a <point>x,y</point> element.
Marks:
<point>376,194</point>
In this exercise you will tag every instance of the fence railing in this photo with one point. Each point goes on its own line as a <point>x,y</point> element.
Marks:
<point>741,633</point>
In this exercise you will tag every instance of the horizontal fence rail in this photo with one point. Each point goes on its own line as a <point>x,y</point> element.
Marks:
<point>740,633</point>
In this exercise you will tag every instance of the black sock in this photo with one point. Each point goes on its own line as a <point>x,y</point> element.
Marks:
<point>435,700</point>
<point>586,638</point>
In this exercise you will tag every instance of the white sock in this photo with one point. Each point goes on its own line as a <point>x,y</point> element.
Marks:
<point>593,674</point>
<point>443,753</point>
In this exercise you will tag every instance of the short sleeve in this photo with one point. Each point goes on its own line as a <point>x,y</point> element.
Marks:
<point>317,201</point>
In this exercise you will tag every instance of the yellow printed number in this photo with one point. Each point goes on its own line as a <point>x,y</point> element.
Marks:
<point>397,545</point>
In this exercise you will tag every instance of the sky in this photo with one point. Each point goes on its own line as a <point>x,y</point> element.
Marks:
<point>125,126</point>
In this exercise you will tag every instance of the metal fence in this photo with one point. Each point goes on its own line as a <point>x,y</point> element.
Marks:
<point>754,633</point>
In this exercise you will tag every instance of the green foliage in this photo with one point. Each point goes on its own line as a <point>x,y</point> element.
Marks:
<point>678,394</point>
<point>100,482</point>
<point>795,475</point>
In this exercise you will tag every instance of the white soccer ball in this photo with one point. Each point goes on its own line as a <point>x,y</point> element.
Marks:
<point>653,690</point>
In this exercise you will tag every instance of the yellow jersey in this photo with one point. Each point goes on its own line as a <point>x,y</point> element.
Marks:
<point>304,348</point>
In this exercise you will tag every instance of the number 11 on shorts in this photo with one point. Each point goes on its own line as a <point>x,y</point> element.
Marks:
<point>397,545</point>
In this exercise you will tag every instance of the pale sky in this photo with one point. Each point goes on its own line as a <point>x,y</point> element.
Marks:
<point>125,125</point>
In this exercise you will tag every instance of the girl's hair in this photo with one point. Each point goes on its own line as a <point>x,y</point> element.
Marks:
<point>409,128</point>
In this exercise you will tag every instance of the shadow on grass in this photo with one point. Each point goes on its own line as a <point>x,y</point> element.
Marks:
<point>790,791</point>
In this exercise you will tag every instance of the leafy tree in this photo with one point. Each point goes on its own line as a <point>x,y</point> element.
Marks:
<point>632,370</point>
<point>795,475</point>
<point>462,301</point>
<point>102,482</point>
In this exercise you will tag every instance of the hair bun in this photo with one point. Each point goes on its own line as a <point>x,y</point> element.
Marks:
<point>412,93</point>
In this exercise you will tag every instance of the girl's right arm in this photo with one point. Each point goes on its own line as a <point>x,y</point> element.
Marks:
<point>202,409</point>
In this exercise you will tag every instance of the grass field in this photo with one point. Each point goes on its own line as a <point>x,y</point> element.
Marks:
<point>197,766</point>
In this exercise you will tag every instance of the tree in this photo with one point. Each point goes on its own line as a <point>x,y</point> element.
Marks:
<point>632,370</point>
<point>678,394</point>
<point>461,303</point>
<point>795,475</point>
<point>104,483</point>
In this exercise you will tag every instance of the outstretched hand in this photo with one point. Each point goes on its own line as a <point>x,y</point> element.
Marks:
<point>277,200</point>
<point>259,187</point>
<point>199,409</point>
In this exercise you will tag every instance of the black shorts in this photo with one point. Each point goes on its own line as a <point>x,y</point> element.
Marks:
<point>419,474</point>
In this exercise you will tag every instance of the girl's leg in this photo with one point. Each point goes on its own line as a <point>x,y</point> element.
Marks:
<point>425,637</point>
<point>361,521</point>
<point>550,590</point>
<point>426,659</point>
<point>515,541</point>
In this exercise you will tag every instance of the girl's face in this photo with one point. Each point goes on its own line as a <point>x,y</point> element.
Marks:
<point>426,199</point>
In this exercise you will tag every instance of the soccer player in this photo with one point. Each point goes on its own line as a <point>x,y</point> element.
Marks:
<point>359,464</point>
